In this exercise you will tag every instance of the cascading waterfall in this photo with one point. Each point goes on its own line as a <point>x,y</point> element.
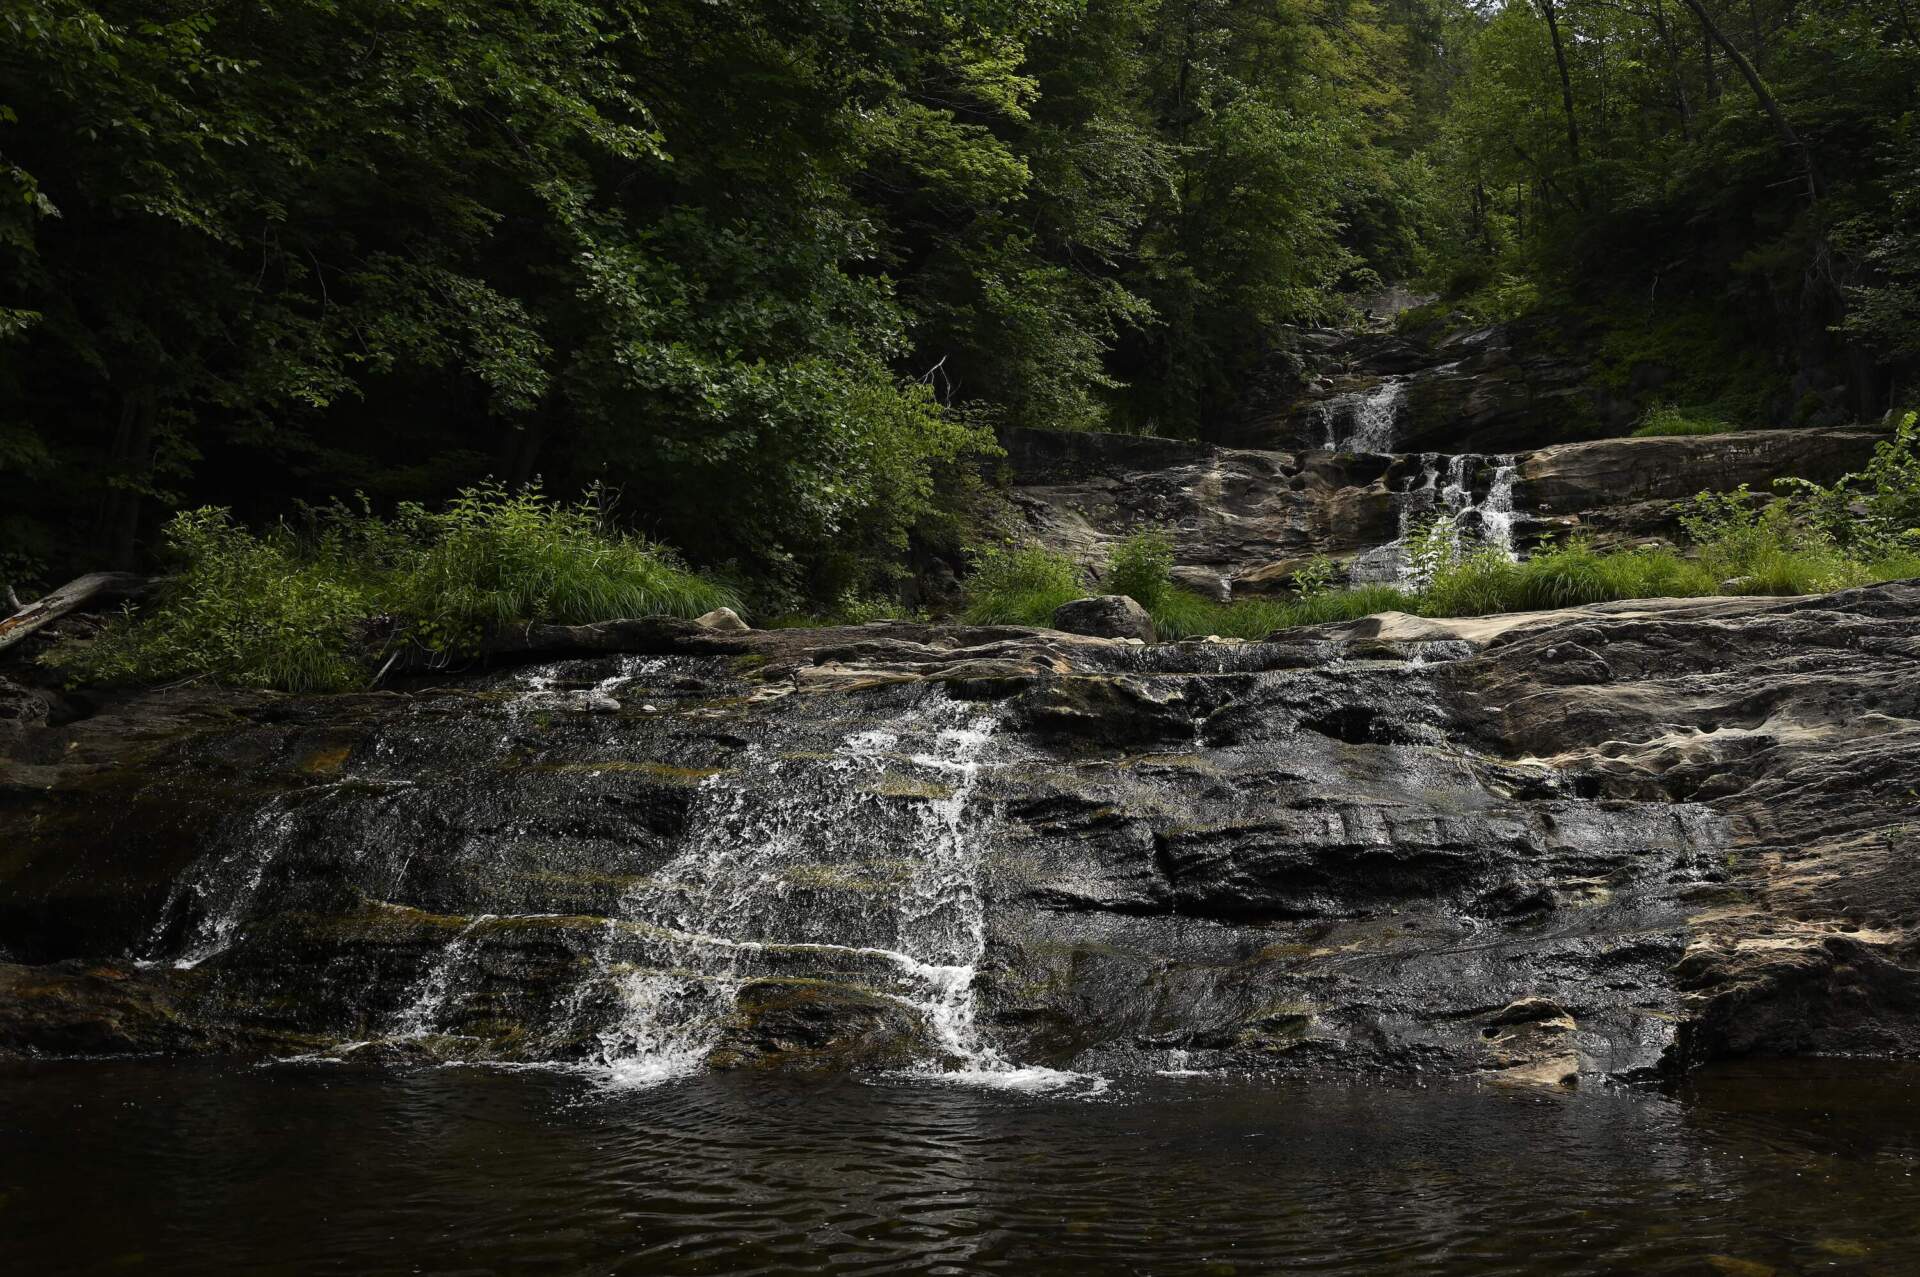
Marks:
<point>1446,486</point>
<point>428,999</point>
<point>1363,420</point>
<point>685,942</point>
<point>218,892</point>
<point>854,862</point>
<point>1496,511</point>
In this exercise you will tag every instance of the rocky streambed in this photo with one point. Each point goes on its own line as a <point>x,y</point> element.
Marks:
<point>1595,843</point>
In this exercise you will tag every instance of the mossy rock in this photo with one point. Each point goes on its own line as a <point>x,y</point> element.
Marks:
<point>817,1024</point>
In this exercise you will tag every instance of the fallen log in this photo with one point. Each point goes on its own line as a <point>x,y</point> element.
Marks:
<point>94,588</point>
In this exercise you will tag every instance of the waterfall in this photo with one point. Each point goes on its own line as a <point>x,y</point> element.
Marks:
<point>734,904</point>
<point>215,894</point>
<point>428,999</point>
<point>1363,420</point>
<point>1496,512</point>
<point>848,864</point>
<point>1446,486</point>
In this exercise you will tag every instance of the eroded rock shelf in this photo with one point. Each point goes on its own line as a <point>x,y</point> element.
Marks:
<point>1595,843</point>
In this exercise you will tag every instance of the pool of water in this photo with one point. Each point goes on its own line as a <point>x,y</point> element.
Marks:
<point>168,1167</point>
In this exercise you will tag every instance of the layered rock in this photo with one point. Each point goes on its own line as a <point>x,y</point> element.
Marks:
<point>1493,389</point>
<point>1243,520</point>
<point>1458,388</point>
<point>1553,846</point>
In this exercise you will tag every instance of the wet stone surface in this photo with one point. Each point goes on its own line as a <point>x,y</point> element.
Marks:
<point>1546,850</point>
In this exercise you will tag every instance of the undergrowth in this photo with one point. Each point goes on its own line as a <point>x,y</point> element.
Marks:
<point>1669,419</point>
<point>323,604</point>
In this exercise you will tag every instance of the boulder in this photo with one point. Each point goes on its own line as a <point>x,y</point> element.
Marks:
<point>1105,616</point>
<point>722,620</point>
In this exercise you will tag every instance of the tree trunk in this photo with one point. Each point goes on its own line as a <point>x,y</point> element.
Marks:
<point>1674,69</point>
<point>1816,187</point>
<point>1566,85</point>
<point>97,587</point>
<point>130,467</point>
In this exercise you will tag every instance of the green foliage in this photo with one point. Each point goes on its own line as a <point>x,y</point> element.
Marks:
<point>1021,586</point>
<point>1629,165</point>
<point>252,611</point>
<point>1140,567</point>
<point>771,270</point>
<point>1572,574</point>
<point>1025,586</point>
<point>1890,498</point>
<point>1317,577</point>
<point>495,557</point>
<point>1667,419</point>
<point>1433,547</point>
<point>318,608</point>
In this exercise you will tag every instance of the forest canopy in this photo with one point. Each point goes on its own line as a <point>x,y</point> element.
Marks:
<point>776,272</point>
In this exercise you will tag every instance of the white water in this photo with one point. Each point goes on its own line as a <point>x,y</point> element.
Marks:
<point>427,1000</point>
<point>1370,418</point>
<point>736,903</point>
<point>1445,486</point>
<point>863,866</point>
<point>542,689</point>
<point>220,892</point>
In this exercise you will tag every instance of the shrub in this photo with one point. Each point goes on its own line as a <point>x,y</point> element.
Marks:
<point>246,610</point>
<point>1752,545</point>
<point>1021,586</point>
<point>494,557</point>
<point>1141,567</point>
<point>293,608</point>
<point>1432,549</point>
<point>1668,419</point>
<point>1317,577</point>
<point>1883,519</point>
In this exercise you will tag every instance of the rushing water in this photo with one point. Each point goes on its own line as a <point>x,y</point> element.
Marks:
<point>1363,420</point>
<point>191,1168</point>
<point>1471,492</point>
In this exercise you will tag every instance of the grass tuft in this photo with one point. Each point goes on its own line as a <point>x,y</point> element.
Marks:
<point>1667,419</point>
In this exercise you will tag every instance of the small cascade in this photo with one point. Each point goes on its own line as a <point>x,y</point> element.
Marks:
<point>1451,487</point>
<point>217,892</point>
<point>1496,510</point>
<point>1362,420</point>
<point>543,688</point>
<point>427,1000</point>
<point>894,809</point>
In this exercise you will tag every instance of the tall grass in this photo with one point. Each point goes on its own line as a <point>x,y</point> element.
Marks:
<point>317,607</point>
<point>1669,419</point>
<point>1021,586</point>
<point>495,557</point>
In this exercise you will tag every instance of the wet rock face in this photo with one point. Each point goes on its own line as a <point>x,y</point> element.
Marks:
<point>1568,845</point>
<point>1243,521</point>
<point>1496,389</point>
<point>1354,438</point>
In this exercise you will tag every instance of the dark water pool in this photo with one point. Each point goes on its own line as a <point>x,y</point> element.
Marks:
<point>154,1167</point>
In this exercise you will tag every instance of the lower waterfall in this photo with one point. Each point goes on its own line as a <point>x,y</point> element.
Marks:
<point>684,942</point>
